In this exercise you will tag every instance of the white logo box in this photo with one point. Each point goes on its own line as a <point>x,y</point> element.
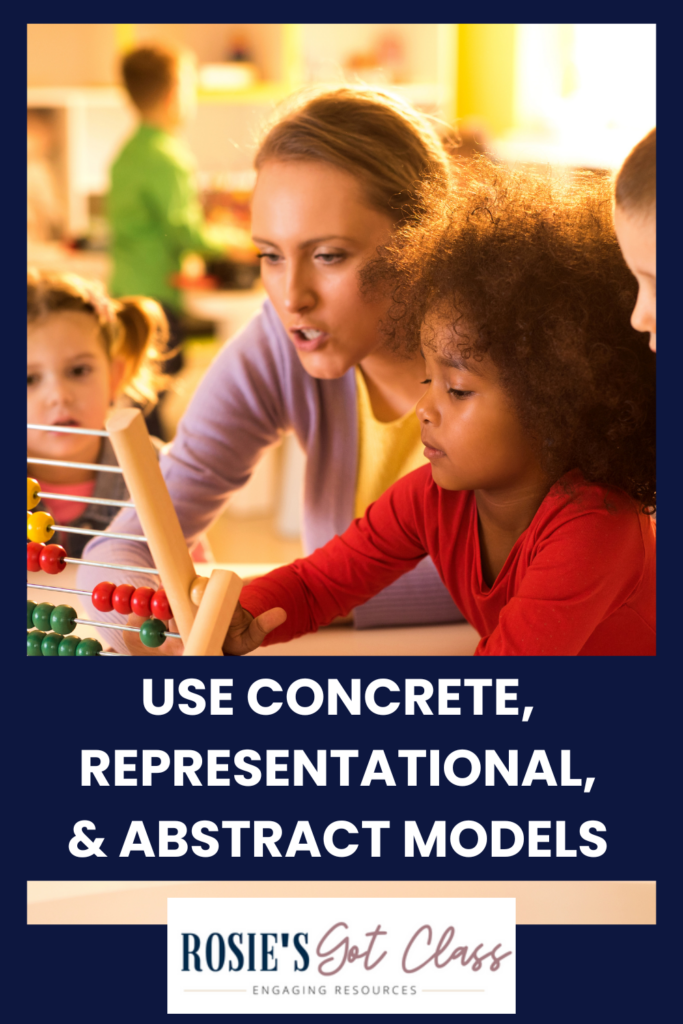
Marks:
<point>300,956</point>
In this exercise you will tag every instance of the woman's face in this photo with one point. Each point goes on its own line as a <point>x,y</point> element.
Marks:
<point>314,231</point>
<point>70,382</point>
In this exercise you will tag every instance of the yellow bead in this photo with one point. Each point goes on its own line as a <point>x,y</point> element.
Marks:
<point>39,527</point>
<point>32,488</point>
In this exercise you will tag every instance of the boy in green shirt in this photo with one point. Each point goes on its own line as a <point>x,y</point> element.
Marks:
<point>153,205</point>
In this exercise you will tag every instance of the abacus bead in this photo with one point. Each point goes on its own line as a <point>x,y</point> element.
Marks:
<point>41,615</point>
<point>68,645</point>
<point>39,526</point>
<point>33,553</point>
<point>30,605</point>
<point>51,559</point>
<point>50,645</point>
<point>121,598</point>
<point>32,488</point>
<point>63,619</point>
<point>160,607</point>
<point>197,588</point>
<point>140,600</point>
<point>152,633</point>
<point>88,646</point>
<point>33,642</point>
<point>101,596</point>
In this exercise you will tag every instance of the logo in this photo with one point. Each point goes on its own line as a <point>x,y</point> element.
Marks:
<point>300,956</point>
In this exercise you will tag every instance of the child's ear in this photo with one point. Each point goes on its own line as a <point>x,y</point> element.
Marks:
<point>117,371</point>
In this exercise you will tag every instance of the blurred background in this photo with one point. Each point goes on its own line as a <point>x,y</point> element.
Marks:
<point>568,95</point>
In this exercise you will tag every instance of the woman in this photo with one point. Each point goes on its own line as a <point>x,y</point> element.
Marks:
<point>335,177</point>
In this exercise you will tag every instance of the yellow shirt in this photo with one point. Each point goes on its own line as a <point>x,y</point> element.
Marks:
<point>386,451</point>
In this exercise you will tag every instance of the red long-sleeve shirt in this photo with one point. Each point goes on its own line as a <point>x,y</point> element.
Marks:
<point>579,580</point>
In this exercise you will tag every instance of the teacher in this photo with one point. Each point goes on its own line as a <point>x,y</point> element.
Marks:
<point>336,172</point>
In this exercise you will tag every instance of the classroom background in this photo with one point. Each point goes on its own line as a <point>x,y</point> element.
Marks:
<point>573,96</point>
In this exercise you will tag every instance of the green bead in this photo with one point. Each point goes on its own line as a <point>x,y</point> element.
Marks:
<point>41,615</point>
<point>50,645</point>
<point>68,645</point>
<point>88,646</point>
<point>33,642</point>
<point>30,605</point>
<point>152,632</point>
<point>63,618</point>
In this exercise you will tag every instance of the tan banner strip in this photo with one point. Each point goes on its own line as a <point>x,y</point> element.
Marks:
<point>118,902</point>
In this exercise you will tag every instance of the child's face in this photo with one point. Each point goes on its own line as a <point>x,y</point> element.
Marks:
<point>70,383</point>
<point>637,234</point>
<point>315,231</point>
<point>470,430</point>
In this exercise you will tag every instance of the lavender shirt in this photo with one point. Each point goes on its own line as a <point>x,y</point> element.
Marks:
<point>255,390</point>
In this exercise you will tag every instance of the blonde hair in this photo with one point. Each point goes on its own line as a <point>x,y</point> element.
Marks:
<point>133,328</point>
<point>636,184</point>
<point>378,138</point>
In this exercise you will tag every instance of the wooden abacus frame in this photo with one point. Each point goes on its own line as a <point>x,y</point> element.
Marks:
<point>202,608</point>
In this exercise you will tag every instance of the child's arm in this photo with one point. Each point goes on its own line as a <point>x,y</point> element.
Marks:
<point>590,588</point>
<point>373,552</point>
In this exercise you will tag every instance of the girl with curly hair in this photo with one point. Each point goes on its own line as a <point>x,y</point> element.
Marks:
<point>538,421</point>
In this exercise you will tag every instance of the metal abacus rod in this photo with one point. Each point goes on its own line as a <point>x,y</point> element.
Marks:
<point>90,501</point>
<point>82,593</point>
<point>117,625</point>
<point>60,590</point>
<point>73,465</point>
<point>99,533</point>
<point>54,428</point>
<point>111,565</point>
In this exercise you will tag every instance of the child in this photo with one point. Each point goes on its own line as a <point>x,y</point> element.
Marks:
<point>635,217</point>
<point>85,351</point>
<point>538,423</point>
<point>153,205</point>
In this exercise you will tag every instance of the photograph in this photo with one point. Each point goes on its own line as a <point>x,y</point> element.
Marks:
<point>270,240</point>
<point>341,350</point>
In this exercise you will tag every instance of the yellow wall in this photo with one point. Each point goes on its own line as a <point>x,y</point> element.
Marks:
<point>486,69</point>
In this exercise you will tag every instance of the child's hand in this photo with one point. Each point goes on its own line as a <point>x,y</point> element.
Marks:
<point>170,646</point>
<point>246,633</point>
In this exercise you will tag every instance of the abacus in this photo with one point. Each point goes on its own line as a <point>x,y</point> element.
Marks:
<point>202,607</point>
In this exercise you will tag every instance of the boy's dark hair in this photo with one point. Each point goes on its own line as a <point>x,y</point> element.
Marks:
<point>636,184</point>
<point>149,73</point>
<point>526,268</point>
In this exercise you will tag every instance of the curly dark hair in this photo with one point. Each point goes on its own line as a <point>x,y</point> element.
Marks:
<point>526,265</point>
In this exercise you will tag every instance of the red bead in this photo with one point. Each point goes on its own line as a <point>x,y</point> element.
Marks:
<point>52,559</point>
<point>101,597</point>
<point>121,598</point>
<point>160,608</point>
<point>33,550</point>
<point>139,602</point>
